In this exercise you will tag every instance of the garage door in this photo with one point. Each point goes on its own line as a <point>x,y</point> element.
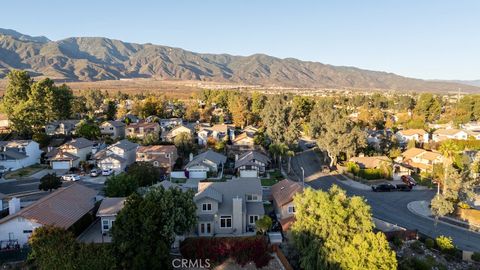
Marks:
<point>197,174</point>
<point>248,173</point>
<point>61,165</point>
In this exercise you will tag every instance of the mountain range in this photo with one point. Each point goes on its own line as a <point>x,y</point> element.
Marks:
<point>98,58</point>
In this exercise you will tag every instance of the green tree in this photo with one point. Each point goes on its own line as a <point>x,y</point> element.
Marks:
<point>52,248</point>
<point>88,129</point>
<point>49,182</point>
<point>281,123</point>
<point>144,173</point>
<point>111,110</point>
<point>93,100</point>
<point>336,134</point>
<point>121,185</point>
<point>146,227</point>
<point>184,144</point>
<point>334,231</point>
<point>429,107</point>
<point>264,224</point>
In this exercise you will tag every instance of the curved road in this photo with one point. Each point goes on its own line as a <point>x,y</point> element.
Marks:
<point>390,206</point>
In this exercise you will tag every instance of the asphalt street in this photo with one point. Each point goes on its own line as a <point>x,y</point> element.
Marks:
<point>388,206</point>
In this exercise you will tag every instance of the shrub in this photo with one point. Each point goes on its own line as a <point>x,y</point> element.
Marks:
<point>429,243</point>
<point>219,249</point>
<point>417,247</point>
<point>397,241</point>
<point>445,243</point>
<point>476,256</point>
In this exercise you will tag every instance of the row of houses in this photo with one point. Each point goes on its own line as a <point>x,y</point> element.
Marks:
<point>228,208</point>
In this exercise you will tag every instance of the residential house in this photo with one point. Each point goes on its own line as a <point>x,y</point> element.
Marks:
<point>70,154</point>
<point>418,135</point>
<point>170,135</point>
<point>114,129</point>
<point>374,162</point>
<point>208,162</point>
<point>282,194</point>
<point>61,208</point>
<point>474,126</point>
<point>62,127</point>
<point>4,123</point>
<point>245,139</point>
<point>228,208</point>
<point>217,132</point>
<point>131,118</point>
<point>251,164</point>
<point>167,123</point>
<point>17,154</point>
<point>117,156</point>
<point>419,159</point>
<point>163,156</point>
<point>445,134</point>
<point>108,211</point>
<point>141,130</point>
<point>474,134</point>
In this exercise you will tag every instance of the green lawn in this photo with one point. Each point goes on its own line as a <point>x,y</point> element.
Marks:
<point>268,182</point>
<point>24,172</point>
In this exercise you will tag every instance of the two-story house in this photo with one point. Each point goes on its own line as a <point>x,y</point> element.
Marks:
<point>208,162</point>
<point>418,135</point>
<point>420,159</point>
<point>228,208</point>
<point>117,156</point>
<point>141,130</point>
<point>251,164</point>
<point>61,127</point>
<point>17,154</point>
<point>170,135</point>
<point>163,156</point>
<point>283,193</point>
<point>217,132</point>
<point>114,129</point>
<point>70,154</point>
<point>167,123</point>
<point>445,134</point>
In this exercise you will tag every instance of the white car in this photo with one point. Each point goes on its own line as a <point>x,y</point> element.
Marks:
<point>107,172</point>
<point>71,177</point>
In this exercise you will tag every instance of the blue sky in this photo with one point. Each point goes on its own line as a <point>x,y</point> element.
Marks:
<point>429,39</point>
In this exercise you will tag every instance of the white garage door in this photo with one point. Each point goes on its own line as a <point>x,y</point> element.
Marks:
<point>248,173</point>
<point>197,174</point>
<point>61,165</point>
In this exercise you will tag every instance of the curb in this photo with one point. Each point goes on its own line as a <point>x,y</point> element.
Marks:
<point>410,208</point>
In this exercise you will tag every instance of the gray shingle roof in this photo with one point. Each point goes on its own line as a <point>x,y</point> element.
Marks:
<point>116,123</point>
<point>250,157</point>
<point>111,206</point>
<point>125,145</point>
<point>208,155</point>
<point>80,143</point>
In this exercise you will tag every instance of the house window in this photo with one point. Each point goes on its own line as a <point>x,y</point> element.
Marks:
<point>105,225</point>
<point>252,219</point>
<point>225,221</point>
<point>291,209</point>
<point>27,231</point>
<point>252,198</point>
<point>207,207</point>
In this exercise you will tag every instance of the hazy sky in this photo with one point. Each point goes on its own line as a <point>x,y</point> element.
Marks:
<point>429,39</point>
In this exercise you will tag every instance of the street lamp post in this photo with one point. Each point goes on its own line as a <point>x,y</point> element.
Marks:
<point>303,176</point>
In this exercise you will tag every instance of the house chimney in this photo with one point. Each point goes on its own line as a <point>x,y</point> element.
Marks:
<point>191,156</point>
<point>237,215</point>
<point>13,206</point>
<point>236,157</point>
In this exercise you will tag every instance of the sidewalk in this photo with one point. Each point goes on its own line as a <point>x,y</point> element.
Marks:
<point>349,182</point>
<point>421,208</point>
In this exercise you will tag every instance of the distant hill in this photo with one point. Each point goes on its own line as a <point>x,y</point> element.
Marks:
<point>97,58</point>
<point>472,83</point>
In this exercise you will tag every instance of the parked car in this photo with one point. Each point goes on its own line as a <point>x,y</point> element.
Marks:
<point>404,187</point>
<point>383,188</point>
<point>407,179</point>
<point>95,172</point>
<point>107,172</point>
<point>71,177</point>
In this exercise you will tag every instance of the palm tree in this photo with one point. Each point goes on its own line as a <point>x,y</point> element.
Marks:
<point>290,154</point>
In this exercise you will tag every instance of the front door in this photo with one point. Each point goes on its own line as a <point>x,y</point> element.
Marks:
<point>205,228</point>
